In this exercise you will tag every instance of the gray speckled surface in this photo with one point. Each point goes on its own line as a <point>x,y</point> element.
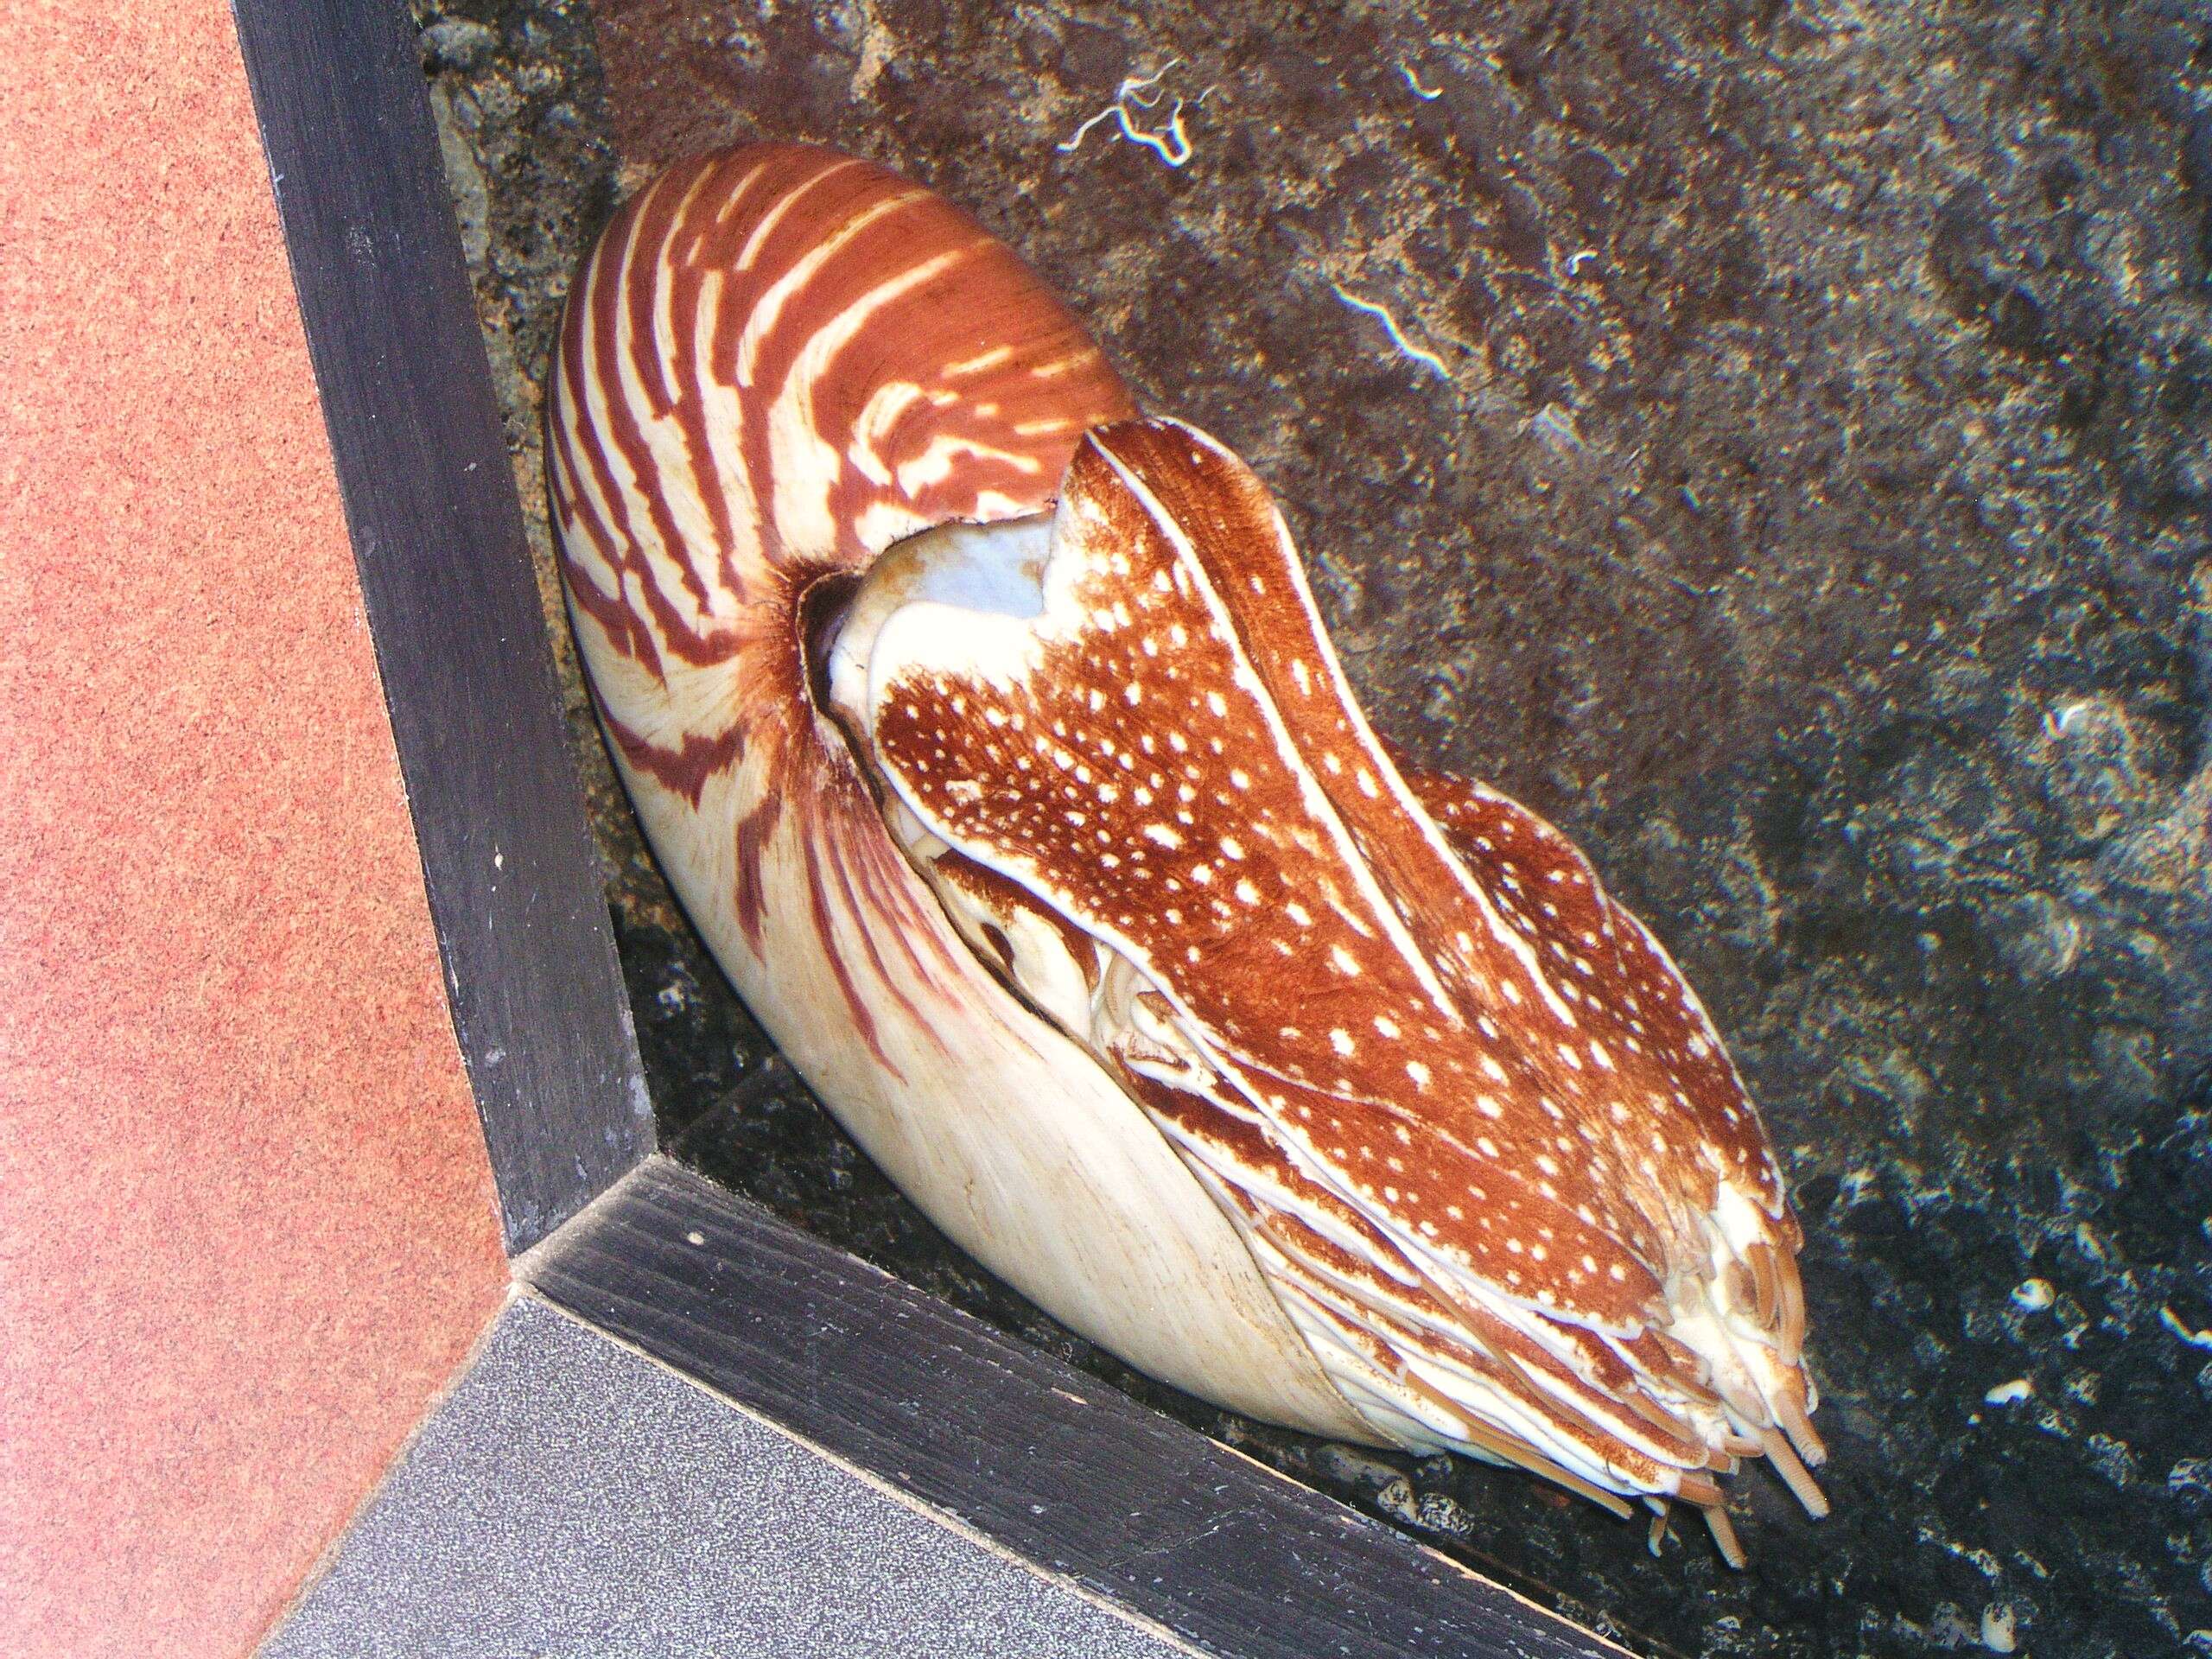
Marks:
<point>574,1498</point>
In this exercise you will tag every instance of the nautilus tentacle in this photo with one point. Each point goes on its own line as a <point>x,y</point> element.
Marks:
<point>993,738</point>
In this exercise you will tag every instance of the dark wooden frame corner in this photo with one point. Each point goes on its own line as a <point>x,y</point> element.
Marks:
<point>1049,1464</point>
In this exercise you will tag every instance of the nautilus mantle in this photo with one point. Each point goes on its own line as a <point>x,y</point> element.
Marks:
<point>991,737</point>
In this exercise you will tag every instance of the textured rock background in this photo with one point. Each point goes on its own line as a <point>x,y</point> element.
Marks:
<point>1812,513</point>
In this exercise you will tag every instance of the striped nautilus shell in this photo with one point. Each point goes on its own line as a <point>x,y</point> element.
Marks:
<point>990,735</point>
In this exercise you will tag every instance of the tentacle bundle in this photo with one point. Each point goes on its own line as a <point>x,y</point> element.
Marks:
<point>1059,857</point>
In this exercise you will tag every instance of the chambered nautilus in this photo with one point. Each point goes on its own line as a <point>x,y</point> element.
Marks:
<point>989,733</point>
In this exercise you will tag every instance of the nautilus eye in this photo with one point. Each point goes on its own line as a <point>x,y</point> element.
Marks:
<point>991,736</point>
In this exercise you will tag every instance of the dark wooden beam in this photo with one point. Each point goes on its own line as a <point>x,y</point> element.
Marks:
<point>537,994</point>
<point>1047,1462</point>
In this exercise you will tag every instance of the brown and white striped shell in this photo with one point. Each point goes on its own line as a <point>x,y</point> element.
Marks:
<point>991,737</point>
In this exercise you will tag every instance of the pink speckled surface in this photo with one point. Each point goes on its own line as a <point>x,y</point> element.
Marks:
<point>246,1227</point>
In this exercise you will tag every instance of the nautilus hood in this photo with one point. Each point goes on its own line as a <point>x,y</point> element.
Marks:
<point>1483,1135</point>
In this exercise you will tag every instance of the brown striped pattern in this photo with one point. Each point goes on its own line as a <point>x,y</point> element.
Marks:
<point>778,361</point>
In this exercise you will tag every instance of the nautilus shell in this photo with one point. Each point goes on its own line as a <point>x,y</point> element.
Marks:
<point>991,736</point>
